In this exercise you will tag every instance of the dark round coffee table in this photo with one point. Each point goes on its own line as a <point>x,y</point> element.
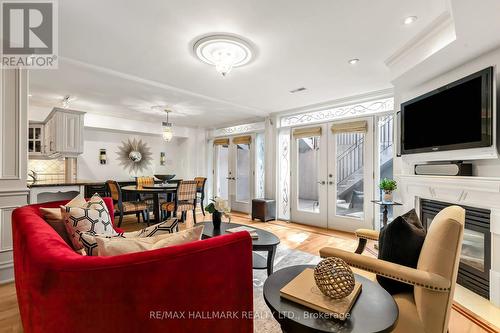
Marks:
<point>374,310</point>
<point>267,242</point>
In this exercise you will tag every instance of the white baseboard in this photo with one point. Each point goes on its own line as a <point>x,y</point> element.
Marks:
<point>6,272</point>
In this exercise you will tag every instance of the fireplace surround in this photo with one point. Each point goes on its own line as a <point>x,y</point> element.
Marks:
<point>475,192</point>
<point>475,259</point>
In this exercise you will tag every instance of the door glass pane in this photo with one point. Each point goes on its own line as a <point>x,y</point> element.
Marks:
<point>30,133</point>
<point>259,165</point>
<point>386,149</point>
<point>350,179</point>
<point>307,174</point>
<point>38,132</point>
<point>30,146</point>
<point>222,171</point>
<point>243,172</point>
<point>284,174</point>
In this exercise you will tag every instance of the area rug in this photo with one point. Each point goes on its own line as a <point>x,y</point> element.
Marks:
<point>264,321</point>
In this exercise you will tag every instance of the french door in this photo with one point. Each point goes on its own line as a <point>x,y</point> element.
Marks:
<point>309,167</point>
<point>233,171</point>
<point>332,175</point>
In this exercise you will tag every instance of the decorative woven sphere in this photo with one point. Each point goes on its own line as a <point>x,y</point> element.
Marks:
<point>334,278</point>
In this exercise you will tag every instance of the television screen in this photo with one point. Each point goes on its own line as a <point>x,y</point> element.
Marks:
<point>456,116</point>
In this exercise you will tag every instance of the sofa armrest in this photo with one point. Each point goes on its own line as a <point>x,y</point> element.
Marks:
<point>390,270</point>
<point>367,234</point>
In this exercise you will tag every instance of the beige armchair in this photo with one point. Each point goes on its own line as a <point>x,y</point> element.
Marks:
<point>427,308</point>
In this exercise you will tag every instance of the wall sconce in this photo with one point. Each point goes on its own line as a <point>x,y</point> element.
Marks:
<point>102,156</point>
<point>162,158</point>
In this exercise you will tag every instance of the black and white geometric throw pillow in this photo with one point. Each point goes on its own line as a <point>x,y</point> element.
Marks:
<point>94,218</point>
<point>89,243</point>
<point>166,227</point>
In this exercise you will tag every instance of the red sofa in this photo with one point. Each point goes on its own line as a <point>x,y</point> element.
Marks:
<point>203,286</point>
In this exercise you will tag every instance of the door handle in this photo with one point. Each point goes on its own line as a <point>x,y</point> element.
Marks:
<point>330,183</point>
<point>322,182</point>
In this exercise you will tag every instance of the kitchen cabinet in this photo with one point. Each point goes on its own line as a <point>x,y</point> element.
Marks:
<point>36,139</point>
<point>61,134</point>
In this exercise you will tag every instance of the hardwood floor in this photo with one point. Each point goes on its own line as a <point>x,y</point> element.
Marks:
<point>292,235</point>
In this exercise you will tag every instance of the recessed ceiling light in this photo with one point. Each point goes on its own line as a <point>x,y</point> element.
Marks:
<point>353,61</point>
<point>30,95</point>
<point>223,51</point>
<point>410,20</point>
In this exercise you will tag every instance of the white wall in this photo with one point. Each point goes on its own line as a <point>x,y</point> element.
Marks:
<point>96,139</point>
<point>405,91</point>
<point>184,156</point>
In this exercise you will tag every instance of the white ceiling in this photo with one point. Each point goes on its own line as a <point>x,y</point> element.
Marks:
<point>119,57</point>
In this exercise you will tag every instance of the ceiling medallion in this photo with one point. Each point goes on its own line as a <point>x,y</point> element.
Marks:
<point>223,51</point>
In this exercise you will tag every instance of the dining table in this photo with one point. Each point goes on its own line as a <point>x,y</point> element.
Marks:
<point>154,190</point>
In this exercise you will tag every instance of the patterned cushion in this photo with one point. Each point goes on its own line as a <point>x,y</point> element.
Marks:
<point>181,207</point>
<point>132,206</point>
<point>89,242</point>
<point>166,227</point>
<point>168,206</point>
<point>116,246</point>
<point>187,190</point>
<point>184,206</point>
<point>93,217</point>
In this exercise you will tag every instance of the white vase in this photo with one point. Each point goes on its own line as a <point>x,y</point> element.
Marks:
<point>387,196</point>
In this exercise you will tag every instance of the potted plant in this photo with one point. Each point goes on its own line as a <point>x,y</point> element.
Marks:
<point>217,208</point>
<point>388,186</point>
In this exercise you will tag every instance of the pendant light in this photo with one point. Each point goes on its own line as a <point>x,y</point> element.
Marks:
<point>167,131</point>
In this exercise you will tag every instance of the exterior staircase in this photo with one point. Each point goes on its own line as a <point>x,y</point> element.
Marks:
<point>350,162</point>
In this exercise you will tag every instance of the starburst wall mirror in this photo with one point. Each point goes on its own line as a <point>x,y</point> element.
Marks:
<point>134,155</point>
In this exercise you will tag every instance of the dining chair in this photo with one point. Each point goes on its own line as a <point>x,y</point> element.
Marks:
<point>140,181</point>
<point>427,308</point>
<point>126,207</point>
<point>148,198</point>
<point>185,200</point>
<point>200,189</point>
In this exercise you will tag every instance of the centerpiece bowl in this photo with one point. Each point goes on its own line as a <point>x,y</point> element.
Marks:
<point>165,178</point>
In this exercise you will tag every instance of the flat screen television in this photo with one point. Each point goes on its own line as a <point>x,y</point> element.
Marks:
<point>456,116</point>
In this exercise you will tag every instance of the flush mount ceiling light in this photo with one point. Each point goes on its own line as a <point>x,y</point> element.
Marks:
<point>223,51</point>
<point>353,61</point>
<point>410,19</point>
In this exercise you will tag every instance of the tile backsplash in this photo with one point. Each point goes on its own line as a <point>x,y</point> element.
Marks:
<point>47,169</point>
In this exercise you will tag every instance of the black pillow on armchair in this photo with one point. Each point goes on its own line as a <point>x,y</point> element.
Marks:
<point>400,242</point>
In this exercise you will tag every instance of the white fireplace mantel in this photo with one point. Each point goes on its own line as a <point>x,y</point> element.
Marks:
<point>480,192</point>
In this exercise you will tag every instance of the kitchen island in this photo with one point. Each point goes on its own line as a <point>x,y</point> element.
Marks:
<point>54,190</point>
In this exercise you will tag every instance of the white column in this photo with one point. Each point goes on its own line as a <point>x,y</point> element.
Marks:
<point>13,159</point>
